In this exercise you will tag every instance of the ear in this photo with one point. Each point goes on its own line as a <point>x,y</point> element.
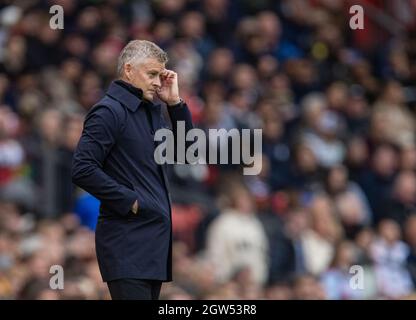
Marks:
<point>128,70</point>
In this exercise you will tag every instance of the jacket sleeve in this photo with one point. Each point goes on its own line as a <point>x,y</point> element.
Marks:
<point>98,137</point>
<point>180,112</point>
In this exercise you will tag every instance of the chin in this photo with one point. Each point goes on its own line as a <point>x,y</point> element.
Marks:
<point>148,97</point>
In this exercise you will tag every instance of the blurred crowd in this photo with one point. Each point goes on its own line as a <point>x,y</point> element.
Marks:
<point>332,214</point>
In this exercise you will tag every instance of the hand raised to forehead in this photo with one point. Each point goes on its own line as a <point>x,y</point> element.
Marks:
<point>169,91</point>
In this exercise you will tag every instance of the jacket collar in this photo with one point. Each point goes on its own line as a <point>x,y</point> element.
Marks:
<point>127,94</point>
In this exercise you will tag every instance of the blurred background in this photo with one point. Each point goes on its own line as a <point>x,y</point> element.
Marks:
<point>337,110</point>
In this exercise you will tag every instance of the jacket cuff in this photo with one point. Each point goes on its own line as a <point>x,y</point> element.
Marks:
<point>143,205</point>
<point>180,104</point>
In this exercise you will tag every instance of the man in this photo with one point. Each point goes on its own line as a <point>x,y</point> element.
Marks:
<point>114,161</point>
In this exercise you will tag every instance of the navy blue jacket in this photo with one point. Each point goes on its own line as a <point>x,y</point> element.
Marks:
<point>114,162</point>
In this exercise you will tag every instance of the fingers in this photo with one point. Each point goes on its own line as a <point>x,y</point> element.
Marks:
<point>168,74</point>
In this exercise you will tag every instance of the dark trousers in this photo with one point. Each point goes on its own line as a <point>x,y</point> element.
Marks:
<point>134,289</point>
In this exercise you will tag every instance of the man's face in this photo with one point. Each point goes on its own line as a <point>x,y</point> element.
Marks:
<point>146,76</point>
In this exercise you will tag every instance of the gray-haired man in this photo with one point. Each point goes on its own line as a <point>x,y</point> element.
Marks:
<point>114,161</point>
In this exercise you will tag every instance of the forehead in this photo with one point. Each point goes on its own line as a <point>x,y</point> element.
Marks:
<point>152,64</point>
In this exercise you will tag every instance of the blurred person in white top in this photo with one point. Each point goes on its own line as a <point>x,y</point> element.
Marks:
<point>318,241</point>
<point>236,239</point>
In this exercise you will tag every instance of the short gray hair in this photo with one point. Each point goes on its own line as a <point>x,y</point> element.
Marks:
<point>138,50</point>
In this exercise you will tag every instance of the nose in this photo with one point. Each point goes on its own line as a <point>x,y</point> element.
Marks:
<point>157,82</point>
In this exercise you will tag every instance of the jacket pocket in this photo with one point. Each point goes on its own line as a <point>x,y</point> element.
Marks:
<point>145,203</point>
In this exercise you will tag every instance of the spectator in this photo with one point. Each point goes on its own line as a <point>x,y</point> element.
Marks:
<point>389,254</point>
<point>337,279</point>
<point>402,201</point>
<point>350,201</point>
<point>318,241</point>
<point>410,236</point>
<point>236,239</point>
